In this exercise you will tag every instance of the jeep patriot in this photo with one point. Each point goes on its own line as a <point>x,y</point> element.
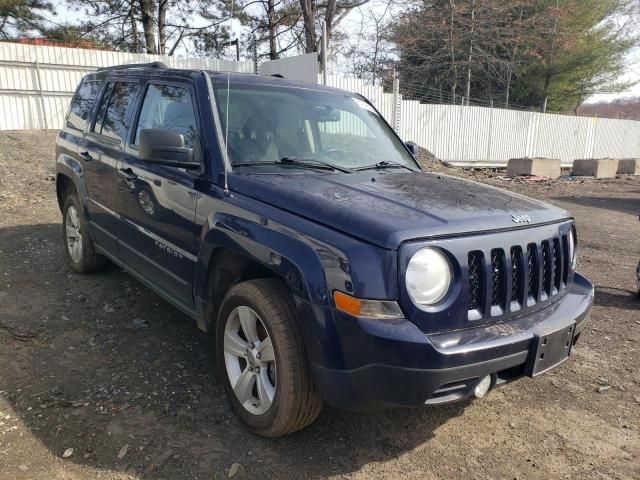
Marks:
<point>291,222</point>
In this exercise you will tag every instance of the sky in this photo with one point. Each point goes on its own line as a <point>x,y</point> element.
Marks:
<point>632,75</point>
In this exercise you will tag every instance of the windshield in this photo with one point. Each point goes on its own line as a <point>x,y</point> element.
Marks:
<point>270,123</point>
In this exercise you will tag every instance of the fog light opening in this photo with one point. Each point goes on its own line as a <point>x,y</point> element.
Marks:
<point>482,387</point>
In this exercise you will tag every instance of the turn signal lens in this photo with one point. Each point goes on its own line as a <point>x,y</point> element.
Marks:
<point>378,309</point>
<point>347,303</point>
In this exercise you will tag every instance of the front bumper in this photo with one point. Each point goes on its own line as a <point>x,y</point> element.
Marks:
<point>374,364</point>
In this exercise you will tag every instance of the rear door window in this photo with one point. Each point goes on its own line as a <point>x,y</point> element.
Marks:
<point>111,118</point>
<point>82,105</point>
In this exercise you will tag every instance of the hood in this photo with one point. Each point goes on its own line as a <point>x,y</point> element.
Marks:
<point>387,207</point>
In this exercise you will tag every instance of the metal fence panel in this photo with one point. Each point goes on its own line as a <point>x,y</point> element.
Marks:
<point>469,135</point>
<point>37,82</point>
<point>303,68</point>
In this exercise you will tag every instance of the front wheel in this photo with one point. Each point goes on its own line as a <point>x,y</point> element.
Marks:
<point>261,359</point>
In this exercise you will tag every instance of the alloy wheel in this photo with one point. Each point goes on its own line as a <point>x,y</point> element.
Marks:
<point>250,360</point>
<point>73,234</point>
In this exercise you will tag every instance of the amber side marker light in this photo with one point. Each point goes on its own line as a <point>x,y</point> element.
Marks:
<point>377,309</point>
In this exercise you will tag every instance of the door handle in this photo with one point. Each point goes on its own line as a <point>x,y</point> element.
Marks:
<point>86,156</point>
<point>128,174</point>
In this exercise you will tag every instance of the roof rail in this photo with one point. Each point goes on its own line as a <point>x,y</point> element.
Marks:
<point>134,65</point>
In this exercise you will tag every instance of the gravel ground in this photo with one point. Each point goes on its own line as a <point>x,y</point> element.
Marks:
<point>100,379</point>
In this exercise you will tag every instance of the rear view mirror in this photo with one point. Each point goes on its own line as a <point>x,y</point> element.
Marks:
<point>166,147</point>
<point>413,148</point>
<point>324,114</point>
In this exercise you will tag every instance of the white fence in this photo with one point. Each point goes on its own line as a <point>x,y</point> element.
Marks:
<point>303,68</point>
<point>468,135</point>
<point>38,82</point>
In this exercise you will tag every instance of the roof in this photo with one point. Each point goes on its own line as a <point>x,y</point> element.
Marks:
<point>159,70</point>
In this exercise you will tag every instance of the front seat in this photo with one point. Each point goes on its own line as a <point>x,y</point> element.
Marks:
<point>179,116</point>
<point>258,142</point>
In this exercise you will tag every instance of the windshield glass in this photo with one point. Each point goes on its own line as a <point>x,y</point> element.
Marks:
<point>270,123</point>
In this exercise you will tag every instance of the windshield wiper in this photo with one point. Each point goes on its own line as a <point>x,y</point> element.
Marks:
<point>384,164</point>
<point>311,162</point>
<point>298,163</point>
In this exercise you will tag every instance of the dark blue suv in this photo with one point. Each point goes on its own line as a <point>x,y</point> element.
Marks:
<point>292,223</point>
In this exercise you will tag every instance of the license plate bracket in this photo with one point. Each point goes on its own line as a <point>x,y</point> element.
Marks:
<point>551,349</point>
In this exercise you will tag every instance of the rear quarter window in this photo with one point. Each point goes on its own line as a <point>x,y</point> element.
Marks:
<point>82,105</point>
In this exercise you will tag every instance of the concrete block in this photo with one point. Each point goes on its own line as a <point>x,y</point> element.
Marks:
<point>542,167</point>
<point>629,166</point>
<point>596,167</point>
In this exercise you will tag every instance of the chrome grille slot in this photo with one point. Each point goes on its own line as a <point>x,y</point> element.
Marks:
<point>547,268</point>
<point>476,280</point>
<point>516,275</point>
<point>532,265</point>
<point>557,265</point>
<point>498,277</point>
<point>565,266</point>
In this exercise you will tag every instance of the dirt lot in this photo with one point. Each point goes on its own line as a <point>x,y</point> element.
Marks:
<point>101,365</point>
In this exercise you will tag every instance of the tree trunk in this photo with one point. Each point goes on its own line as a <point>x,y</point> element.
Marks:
<point>511,66</point>
<point>162,26</point>
<point>146,15</point>
<point>579,102</point>
<point>329,14</point>
<point>375,56</point>
<point>271,23</point>
<point>135,44</point>
<point>308,17</point>
<point>508,88</point>
<point>470,58</point>
<point>548,74</point>
<point>545,92</point>
<point>454,86</point>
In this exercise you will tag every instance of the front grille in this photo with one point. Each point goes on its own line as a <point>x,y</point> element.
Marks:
<point>475,280</point>
<point>533,274</point>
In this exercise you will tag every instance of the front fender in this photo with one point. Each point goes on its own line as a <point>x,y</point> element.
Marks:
<point>297,262</point>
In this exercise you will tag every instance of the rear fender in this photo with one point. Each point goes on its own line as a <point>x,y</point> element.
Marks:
<point>69,167</point>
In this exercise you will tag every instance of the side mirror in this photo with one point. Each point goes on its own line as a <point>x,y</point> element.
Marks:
<point>413,148</point>
<point>166,147</point>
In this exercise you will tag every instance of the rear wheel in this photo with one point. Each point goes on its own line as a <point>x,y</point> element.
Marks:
<point>79,248</point>
<point>261,359</point>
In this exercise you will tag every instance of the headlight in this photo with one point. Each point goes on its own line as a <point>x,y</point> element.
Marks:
<point>572,249</point>
<point>428,276</point>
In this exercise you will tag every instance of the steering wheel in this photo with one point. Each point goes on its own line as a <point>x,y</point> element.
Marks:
<point>332,152</point>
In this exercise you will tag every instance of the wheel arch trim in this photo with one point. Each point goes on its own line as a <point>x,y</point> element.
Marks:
<point>300,268</point>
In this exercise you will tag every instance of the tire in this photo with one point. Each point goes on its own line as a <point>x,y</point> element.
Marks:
<point>81,254</point>
<point>294,402</point>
